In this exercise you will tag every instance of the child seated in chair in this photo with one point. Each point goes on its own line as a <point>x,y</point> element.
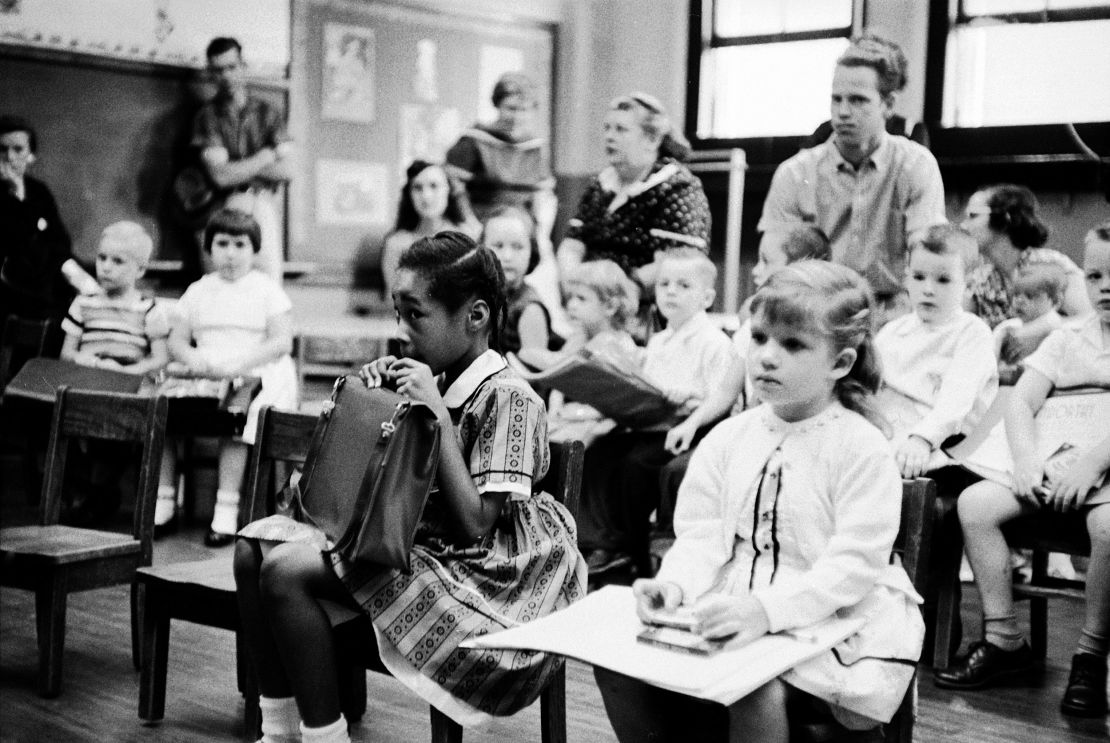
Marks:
<point>939,370</point>
<point>120,329</point>
<point>600,301</point>
<point>686,361</point>
<point>1038,292</point>
<point>1074,355</point>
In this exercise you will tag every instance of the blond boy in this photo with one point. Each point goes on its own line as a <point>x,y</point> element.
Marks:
<point>118,328</point>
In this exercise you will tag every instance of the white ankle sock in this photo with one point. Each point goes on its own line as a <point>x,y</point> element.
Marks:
<point>336,732</point>
<point>225,517</point>
<point>281,721</point>
<point>166,504</point>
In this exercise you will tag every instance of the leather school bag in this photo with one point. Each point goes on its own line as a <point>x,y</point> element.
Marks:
<point>368,472</point>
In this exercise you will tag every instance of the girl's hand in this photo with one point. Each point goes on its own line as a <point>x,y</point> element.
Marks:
<point>678,438</point>
<point>1076,484</point>
<point>1027,477</point>
<point>655,595</point>
<point>676,396</point>
<point>720,615</point>
<point>415,379</point>
<point>376,373</point>
<point>109,364</point>
<point>913,456</point>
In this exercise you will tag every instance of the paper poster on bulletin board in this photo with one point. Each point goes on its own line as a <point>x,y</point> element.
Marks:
<point>433,73</point>
<point>348,87</point>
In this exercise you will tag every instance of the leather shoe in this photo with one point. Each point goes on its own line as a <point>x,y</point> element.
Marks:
<point>1086,692</point>
<point>602,561</point>
<point>218,539</point>
<point>170,527</point>
<point>985,665</point>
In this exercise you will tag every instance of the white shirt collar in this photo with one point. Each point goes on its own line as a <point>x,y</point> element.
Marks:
<point>479,371</point>
<point>611,182</point>
<point>689,329</point>
<point>879,158</point>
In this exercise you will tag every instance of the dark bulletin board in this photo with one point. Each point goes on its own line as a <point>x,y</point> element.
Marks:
<point>369,155</point>
<point>111,137</point>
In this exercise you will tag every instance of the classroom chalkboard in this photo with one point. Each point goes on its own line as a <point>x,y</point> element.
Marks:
<point>372,87</point>
<point>112,135</point>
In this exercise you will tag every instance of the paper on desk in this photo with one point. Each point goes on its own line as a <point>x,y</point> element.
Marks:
<point>601,630</point>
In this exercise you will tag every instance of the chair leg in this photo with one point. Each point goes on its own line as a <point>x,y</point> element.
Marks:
<point>553,708</point>
<point>137,592</point>
<point>50,621</point>
<point>1038,626</point>
<point>155,657</point>
<point>444,729</point>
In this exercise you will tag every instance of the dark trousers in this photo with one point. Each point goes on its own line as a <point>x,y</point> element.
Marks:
<point>620,489</point>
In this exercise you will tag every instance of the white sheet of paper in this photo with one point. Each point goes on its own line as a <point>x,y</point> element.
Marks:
<point>601,630</point>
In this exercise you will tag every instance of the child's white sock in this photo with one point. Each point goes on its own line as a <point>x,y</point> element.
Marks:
<point>281,721</point>
<point>336,732</point>
<point>166,504</point>
<point>226,516</point>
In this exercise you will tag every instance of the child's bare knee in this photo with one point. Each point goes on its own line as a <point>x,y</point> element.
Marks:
<point>286,570</point>
<point>985,503</point>
<point>1098,526</point>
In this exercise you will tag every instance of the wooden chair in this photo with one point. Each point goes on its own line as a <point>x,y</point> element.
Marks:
<point>54,560</point>
<point>22,339</point>
<point>1044,532</point>
<point>203,592</point>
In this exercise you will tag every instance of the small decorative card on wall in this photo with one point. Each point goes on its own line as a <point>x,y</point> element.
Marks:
<point>348,86</point>
<point>352,192</point>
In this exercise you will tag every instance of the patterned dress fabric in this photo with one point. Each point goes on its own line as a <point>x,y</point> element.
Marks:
<point>527,566</point>
<point>620,225</point>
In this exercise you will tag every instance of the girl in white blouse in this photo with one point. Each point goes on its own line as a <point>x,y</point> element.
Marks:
<point>787,516</point>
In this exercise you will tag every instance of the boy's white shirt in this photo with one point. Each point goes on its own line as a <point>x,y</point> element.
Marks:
<point>693,358</point>
<point>947,372</point>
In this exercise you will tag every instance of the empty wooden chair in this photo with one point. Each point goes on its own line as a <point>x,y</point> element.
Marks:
<point>54,560</point>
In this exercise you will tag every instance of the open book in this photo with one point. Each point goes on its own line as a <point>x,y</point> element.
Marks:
<point>626,397</point>
<point>602,630</point>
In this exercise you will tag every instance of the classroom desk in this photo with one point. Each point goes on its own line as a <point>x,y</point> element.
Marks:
<point>32,393</point>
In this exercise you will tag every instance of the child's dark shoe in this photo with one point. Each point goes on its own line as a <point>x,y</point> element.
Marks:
<point>164,530</point>
<point>218,539</point>
<point>986,665</point>
<point>1086,692</point>
<point>602,561</point>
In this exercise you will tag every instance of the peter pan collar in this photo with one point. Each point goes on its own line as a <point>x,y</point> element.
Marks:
<point>777,425</point>
<point>1089,328</point>
<point>480,369</point>
<point>611,182</point>
<point>692,327</point>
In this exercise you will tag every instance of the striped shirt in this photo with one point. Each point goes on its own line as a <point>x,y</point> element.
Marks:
<point>119,329</point>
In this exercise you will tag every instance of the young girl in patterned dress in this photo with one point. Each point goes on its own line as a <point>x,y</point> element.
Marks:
<point>787,517</point>
<point>490,554</point>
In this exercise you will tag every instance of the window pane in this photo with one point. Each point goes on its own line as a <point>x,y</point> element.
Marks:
<point>1002,7</point>
<point>767,89</point>
<point>1016,74</point>
<point>752,17</point>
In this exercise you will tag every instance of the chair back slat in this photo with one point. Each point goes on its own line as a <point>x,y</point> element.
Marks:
<point>22,339</point>
<point>107,416</point>
<point>564,474</point>
<point>915,532</point>
<point>282,437</point>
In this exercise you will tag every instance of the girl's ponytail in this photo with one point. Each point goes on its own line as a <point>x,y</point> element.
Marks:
<point>856,391</point>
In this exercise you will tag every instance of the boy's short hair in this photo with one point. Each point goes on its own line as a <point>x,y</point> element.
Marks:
<point>949,239</point>
<point>132,237</point>
<point>221,45</point>
<point>232,222</point>
<point>1042,278</point>
<point>806,243</point>
<point>883,56</point>
<point>706,269</point>
<point>9,124</point>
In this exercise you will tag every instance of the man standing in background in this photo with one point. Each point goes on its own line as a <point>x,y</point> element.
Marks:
<point>244,149</point>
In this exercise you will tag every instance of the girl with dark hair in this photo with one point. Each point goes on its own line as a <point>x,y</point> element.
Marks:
<point>1003,220</point>
<point>231,322</point>
<point>787,516</point>
<point>430,203</point>
<point>646,200</point>
<point>490,550</point>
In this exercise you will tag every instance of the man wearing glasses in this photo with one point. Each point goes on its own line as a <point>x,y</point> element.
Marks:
<point>244,149</point>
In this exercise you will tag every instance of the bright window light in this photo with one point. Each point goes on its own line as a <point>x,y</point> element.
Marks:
<point>753,17</point>
<point>766,90</point>
<point>1003,7</point>
<point>1013,74</point>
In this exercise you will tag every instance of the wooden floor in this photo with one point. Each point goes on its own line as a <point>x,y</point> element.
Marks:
<point>100,695</point>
